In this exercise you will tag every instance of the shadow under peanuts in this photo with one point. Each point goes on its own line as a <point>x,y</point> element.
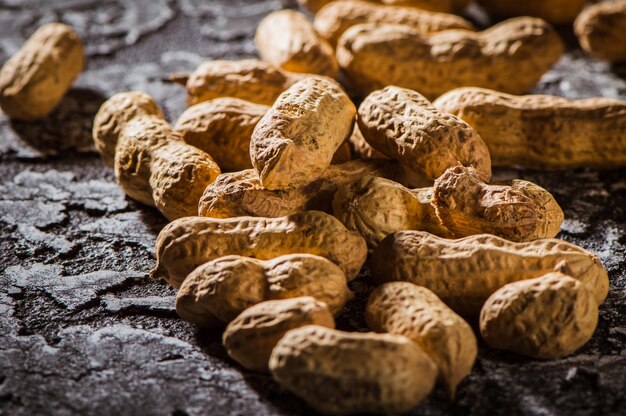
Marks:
<point>67,128</point>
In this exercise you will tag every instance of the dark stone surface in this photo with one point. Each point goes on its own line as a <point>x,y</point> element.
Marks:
<point>84,331</point>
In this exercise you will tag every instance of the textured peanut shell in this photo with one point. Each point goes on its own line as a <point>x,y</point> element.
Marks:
<point>403,308</point>
<point>333,20</point>
<point>113,115</point>
<point>186,243</point>
<point>156,167</point>
<point>554,11</point>
<point>251,80</point>
<point>222,127</point>
<point>542,131</point>
<point>345,372</point>
<point>287,39</point>
<point>510,57</point>
<point>601,30</point>
<point>295,141</point>
<point>465,272</point>
<point>33,81</point>
<point>546,318</point>
<point>250,338</point>
<point>517,210</point>
<point>361,147</point>
<point>405,126</point>
<point>225,287</point>
<point>241,194</point>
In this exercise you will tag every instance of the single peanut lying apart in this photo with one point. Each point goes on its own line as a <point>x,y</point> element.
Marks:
<point>405,126</point>
<point>459,205</point>
<point>548,317</point>
<point>542,131</point>
<point>287,39</point>
<point>225,287</point>
<point>337,17</point>
<point>250,338</point>
<point>554,11</point>
<point>241,194</point>
<point>417,313</point>
<point>222,127</point>
<point>510,57</point>
<point>341,373</point>
<point>187,243</point>
<point>465,272</point>
<point>601,30</point>
<point>33,81</point>
<point>295,141</point>
<point>250,80</point>
<point>152,162</point>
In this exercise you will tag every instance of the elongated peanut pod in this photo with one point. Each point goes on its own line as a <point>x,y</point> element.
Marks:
<point>511,57</point>
<point>33,81</point>
<point>547,317</point>
<point>542,131</point>
<point>465,272</point>
<point>345,372</point>
<point>295,141</point>
<point>186,243</point>
<point>554,11</point>
<point>287,40</point>
<point>601,29</point>
<point>403,308</point>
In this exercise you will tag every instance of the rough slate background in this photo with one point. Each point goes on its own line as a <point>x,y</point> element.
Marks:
<point>84,331</point>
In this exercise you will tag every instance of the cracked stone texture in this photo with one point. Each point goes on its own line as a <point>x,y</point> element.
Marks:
<point>84,331</point>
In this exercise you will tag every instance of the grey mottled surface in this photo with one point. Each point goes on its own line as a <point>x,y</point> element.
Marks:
<point>84,331</point>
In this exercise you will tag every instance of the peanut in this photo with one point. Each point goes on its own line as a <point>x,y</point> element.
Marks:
<point>295,141</point>
<point>548,317</point>
<point>222,127</point>
<point>333,20</point>
<point>250,80</point>
<point>186,243</point>
<point>417,313</point>
<point>511,57</point>
<point>554,11</point>
<point>601,29</point>
<point>541,131</point>
<point>287,39</point>
<point>340,372</point>
<point>241,194</point>
<point>33,81</point>
<point>405,126</point>
<point>225,287</point>
<point>250,338</point>
<point>465,272</point>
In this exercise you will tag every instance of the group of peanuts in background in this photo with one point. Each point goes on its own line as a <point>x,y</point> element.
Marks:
<point>257,247</point>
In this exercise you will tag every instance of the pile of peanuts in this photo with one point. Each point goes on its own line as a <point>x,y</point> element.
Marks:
<point>314,187</point>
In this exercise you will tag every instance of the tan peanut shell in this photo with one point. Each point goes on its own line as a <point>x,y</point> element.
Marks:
<point>113,115</point>
<point>403,308</point>
<point>186,243</point>
<point>295,141</point>
<point>251,80</point>
<point>345,372</point>
<point>239,194</point>
<point>155,166</point>
<point>224,287</point>
<point>547,317</point>
<point>511,57</point>
<point>250,338</point>
<point>361,147</point>
<point>33,81</point>
<point>554,11</point>
<point>337,17</point>
<point>287,39</point>
<point>222,127</point>
<point>601,30</point>
<point>405,126</point>
<point>465,272</point>
<point>542,131</point>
